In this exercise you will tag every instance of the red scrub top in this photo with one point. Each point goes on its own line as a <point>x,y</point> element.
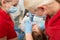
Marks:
<point>6,26</point>
<point>53,26</point>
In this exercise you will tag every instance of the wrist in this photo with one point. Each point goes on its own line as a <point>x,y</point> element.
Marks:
<point>28,31</point>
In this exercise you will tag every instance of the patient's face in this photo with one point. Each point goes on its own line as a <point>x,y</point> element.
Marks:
<point>36,33</point>
<point>36,30</point>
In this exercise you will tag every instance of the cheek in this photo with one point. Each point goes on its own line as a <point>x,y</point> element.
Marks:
<point>48,11</point>
<point>45,13</point>
<point>8,6</point>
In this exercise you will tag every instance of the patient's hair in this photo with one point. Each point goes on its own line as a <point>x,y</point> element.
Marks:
<point>39,37</point>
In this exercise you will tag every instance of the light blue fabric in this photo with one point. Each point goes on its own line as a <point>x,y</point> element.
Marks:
<point>12,9</point>
<point>28,26</point>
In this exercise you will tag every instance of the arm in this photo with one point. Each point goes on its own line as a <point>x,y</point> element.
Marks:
<point>14,39</point>
<point>28,29</point>
<point>3,34</point>
<point>28,36</point>
<point>3,38</point>
<point>2,31</point>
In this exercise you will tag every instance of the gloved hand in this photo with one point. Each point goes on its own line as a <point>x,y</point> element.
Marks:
<point>28,26</point>
<point>42,25</point>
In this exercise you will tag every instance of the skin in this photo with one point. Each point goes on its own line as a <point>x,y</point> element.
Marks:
<point>28,36</point>
<point>36,29</point>
<point>5,6</point>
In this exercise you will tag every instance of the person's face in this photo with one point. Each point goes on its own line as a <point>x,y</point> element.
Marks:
<point>35,30</point>
<point>49,9</point>
<point>41,11</point>
<point>8,3</point>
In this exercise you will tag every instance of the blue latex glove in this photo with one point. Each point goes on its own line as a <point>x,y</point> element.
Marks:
<point>28,26</point>
<point>42,25</point>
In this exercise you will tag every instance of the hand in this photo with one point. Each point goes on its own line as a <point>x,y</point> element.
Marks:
<point>41,25</point>
<point>28,26</point>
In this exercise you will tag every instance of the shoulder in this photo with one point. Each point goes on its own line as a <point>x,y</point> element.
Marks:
<point>4,14</point>
<point>1,20</point>
<point>1,16</point>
